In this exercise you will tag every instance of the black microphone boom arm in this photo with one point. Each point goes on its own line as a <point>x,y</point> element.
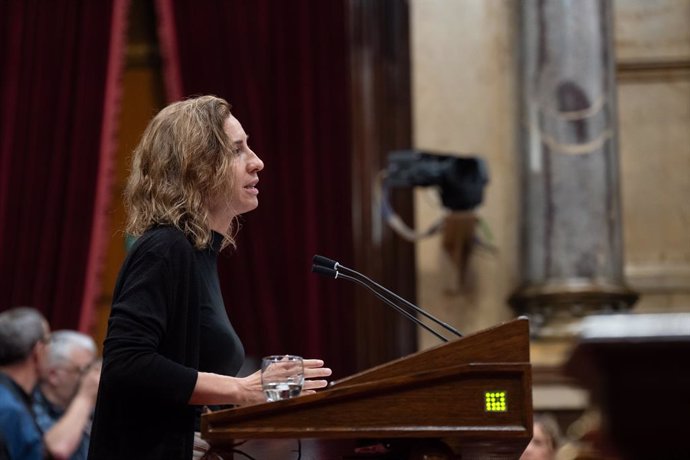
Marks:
<point>328,267</point>
<point>325,271</point>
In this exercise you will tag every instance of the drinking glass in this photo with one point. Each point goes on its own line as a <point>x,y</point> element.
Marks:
<point>282,376</point>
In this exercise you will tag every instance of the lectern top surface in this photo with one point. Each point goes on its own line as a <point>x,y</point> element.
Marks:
<point>636,326</point>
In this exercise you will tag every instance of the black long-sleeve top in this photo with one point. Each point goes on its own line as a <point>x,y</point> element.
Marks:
<point>168,321</point>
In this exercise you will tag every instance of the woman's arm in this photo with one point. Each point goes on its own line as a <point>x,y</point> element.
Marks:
<point>221,389</point>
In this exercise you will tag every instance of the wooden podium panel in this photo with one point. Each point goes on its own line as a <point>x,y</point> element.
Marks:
<point>473,392</point>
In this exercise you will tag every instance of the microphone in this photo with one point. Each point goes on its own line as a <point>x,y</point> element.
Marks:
<point>328,267</point>
<point>330,272</point>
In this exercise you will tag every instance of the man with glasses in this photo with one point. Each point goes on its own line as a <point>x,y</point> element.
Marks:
<point>23,336</point>
<point>65,397</point>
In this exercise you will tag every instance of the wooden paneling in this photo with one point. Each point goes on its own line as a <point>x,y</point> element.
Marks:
<point>653,50</point>
<point>381,121</point>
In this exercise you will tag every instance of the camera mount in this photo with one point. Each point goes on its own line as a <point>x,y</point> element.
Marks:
<point>460,179</point>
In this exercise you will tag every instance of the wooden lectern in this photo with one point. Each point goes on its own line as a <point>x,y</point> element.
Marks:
<point>474,393</point>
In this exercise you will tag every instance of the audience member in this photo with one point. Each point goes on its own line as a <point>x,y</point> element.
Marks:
<point>23,336</point>
<point>65,397</point>
<point>545,439</point>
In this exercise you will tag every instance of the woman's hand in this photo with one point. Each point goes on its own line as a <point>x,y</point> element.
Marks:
<point>313,375</point>
<point>252,392</point>
<point>244,391</point>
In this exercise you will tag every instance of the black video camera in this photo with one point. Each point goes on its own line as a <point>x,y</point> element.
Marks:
<point>461,179</point>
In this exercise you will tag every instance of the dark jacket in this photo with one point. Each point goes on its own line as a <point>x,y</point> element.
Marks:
<point>151,353</point>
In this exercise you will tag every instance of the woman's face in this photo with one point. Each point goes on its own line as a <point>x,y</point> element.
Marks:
<point>244,195</point>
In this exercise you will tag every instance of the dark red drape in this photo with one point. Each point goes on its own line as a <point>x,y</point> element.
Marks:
<point>58,93</point>
<point>284,68</point>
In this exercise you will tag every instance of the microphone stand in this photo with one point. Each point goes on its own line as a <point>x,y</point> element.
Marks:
<point>335,274</point>
<point>325,266</point>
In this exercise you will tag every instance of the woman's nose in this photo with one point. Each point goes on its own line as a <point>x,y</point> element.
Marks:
<point>255,163</point>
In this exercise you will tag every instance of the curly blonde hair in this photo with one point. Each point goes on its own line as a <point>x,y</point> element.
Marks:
<point>181,163</point>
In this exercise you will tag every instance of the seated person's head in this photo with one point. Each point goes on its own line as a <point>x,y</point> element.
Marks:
<point>545,439</point>
<point>23,333</point>
<point>69,356</point>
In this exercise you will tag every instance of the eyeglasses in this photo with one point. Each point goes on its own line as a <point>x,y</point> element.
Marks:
<point>74,368</point>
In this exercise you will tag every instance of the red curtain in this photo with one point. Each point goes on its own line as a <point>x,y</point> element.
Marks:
<point>60,62</point>
<point>284,68</point>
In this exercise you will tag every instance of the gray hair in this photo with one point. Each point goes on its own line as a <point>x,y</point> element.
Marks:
<point>21,328</point>
<point>64,341</point>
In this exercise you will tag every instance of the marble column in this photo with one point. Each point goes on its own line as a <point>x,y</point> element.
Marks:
<point>571,235</point>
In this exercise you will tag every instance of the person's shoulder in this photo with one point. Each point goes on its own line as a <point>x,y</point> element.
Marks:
<point>12,409</point>
<point>161,246</point>
<point>163,235</point>
<point>8,401</point>
<point>8,395</point>
<point>163,240</point>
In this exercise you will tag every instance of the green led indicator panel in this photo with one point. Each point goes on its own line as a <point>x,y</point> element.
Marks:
<point>495,401</point>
